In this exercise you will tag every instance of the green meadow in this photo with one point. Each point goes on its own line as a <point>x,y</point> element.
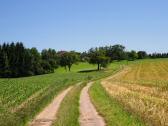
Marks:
<point>22,98</point>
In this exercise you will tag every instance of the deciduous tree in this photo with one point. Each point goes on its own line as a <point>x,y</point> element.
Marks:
<point>97,56</point>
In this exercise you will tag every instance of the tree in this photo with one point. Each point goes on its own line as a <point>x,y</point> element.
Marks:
<point>2,61</point>
<point>142,54</point>
<point>132,55</point>
<point>115,52</point>
<point>36,62</point>
<point>84,57</point>
<point>97,56</point>
<point>50,58</point>
<point>67,59</point>
<point>5,70</point>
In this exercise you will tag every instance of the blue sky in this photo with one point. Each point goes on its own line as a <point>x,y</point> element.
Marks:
<point>82,24</point>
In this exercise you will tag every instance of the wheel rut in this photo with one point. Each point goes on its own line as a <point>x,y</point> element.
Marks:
<point>48,115</point>
<point>88,114</point>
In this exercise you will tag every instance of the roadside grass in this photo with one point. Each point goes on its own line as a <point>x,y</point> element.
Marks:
<point>68,112</point>
<point>110,109</point>
<point>22,98</point>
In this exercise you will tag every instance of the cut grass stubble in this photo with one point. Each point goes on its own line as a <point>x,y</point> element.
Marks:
<point>143,90</point>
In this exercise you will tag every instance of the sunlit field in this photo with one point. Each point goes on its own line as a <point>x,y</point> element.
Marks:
<point>142,89</point>
<point>22,98</point>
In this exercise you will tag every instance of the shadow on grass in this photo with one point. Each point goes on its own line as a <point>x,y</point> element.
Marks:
<point>87,71</point>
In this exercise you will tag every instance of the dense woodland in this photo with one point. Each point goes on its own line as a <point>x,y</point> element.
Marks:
<point>18,61</point>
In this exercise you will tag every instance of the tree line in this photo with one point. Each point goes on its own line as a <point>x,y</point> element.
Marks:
<point>158,55</point>
<point>19,61</point>
<point>102,56</point>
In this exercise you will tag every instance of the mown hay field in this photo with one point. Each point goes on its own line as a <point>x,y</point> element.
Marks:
<point>142,89</point>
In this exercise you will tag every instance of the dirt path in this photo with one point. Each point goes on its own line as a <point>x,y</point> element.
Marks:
<point>48,115</point>
<point>88,113</point>
<point>122,72</point>
<point>109,79</point>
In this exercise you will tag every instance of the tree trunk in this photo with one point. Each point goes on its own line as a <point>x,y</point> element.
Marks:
<point>98,66</point>
<point>69,67</point>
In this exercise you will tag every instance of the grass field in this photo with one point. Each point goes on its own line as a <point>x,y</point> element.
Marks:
<point>142,89</point>
<point>22,98</point>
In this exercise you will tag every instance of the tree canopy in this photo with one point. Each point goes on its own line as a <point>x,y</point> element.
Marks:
<point>67,59</point>
<point>17,61</point>
<point>97,56</point>
<point>115,52</point>
<point>142,54</point>
<point>132,55</point>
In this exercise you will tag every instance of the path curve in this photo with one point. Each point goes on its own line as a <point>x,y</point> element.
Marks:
<point>108,79</point>
<point>48,115</point>
<point>88,113</point>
